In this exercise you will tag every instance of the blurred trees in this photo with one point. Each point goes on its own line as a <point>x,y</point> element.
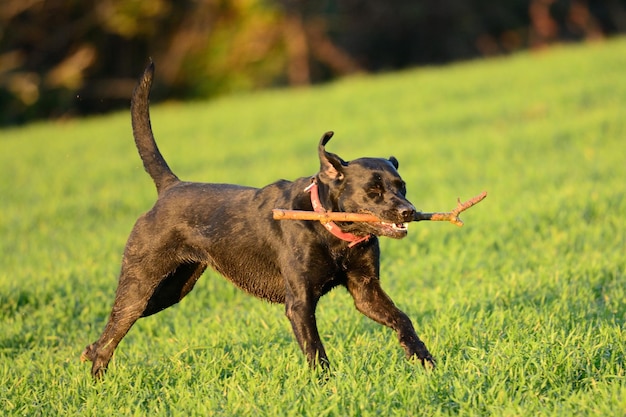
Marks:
<point>63,57</point>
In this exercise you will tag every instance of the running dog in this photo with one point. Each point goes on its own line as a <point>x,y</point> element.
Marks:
<point>230,228</point>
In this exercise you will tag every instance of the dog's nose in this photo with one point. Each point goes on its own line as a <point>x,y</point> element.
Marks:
<point>407,213</point>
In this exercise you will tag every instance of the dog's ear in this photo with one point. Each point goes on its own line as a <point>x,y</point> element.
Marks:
<point>394,162</point>
<point>331,165</point>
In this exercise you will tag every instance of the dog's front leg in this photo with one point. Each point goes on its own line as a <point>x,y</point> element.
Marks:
<point>300,310</point>
<point>372,301</point>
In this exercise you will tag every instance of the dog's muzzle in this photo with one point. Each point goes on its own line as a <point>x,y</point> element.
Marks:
<point>396,228</point>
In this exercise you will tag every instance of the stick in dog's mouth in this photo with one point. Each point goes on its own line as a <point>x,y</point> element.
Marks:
<point>331,216</point>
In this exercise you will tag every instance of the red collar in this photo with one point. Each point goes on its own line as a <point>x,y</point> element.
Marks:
<point>332,226</point>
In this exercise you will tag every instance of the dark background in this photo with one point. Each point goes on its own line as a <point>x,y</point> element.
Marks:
<point>62,58</point>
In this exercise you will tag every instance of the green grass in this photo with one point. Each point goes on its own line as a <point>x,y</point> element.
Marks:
<point>524,307</point>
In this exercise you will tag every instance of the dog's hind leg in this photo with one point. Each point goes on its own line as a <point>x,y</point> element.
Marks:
<point>130,303</point>
<point>140,293</point>
<point>373,302</point>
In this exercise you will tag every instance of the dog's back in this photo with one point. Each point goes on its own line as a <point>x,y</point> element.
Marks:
<point>227,227</point>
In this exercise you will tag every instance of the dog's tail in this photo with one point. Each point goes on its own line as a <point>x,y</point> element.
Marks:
<point>152,159</point>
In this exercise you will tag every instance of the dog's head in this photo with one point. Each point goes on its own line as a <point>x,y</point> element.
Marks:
<point>365,185</point>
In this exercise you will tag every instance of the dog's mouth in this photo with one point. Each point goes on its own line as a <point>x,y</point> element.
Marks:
<point>398,227</point>
<point>384,228</point>
<point>393,230</point>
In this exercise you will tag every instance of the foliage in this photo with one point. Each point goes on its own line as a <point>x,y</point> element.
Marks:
<point>524,307</point>
<point>61,58</point>
<point>205,48</point>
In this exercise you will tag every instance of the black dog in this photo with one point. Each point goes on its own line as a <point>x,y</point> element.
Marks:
<point>230,228</point>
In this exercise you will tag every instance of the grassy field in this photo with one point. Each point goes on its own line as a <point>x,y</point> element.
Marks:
<point>524,307</point>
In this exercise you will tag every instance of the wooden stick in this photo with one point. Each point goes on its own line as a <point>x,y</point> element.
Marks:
<point>329,216</point>
<point>332,216</point>
<point>452,216</point>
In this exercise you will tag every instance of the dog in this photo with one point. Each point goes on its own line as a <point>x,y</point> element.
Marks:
<point>230,228</point>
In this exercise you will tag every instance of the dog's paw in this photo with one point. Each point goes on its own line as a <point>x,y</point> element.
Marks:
<point>429,363</point>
